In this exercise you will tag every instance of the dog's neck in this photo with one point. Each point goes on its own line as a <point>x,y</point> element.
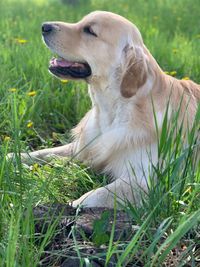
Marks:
<point>106,103</point>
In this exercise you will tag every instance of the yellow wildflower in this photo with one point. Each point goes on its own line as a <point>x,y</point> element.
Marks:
<point>34,167</point>
<point>175,50</point>
<point>32,93</point>
<point>12,90</point>
<point>29,124</point>
<point>173,73</point>
<point>7,138</point>
<point>64,81</point>
<point>186,78</point>
<point>21,41</point>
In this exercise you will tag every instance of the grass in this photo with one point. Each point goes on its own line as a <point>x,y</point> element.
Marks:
<point>37,111</point>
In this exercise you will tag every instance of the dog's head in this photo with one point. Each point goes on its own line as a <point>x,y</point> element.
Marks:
<point>102,46</point>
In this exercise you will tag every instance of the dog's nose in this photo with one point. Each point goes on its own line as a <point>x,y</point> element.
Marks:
<point>47,28</point>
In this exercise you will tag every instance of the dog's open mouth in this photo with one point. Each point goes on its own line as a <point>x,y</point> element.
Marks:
<point>69,69</point>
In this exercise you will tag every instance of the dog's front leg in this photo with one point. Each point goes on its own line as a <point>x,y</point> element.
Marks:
<point>45,155</point>
<point>120,190</point>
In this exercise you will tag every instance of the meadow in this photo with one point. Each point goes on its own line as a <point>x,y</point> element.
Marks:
<point>37,111</point>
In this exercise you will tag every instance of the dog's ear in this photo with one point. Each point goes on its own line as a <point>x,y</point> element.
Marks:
<point>135,72</point>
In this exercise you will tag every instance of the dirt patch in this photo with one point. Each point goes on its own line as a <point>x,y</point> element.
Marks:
<point>89,228</point>
<point>84,236</point>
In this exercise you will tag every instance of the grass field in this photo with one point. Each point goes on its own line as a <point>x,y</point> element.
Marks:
<point>38,110</point>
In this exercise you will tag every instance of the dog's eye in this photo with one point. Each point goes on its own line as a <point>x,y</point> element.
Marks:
<point>89,30</point>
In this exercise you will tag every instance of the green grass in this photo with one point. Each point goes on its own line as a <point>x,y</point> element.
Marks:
<point>171,32</point>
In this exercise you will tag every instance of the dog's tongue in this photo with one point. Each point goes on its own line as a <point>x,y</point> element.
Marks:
<point>60,62</point>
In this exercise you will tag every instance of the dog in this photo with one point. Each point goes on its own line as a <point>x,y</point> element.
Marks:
<point>128,90</point>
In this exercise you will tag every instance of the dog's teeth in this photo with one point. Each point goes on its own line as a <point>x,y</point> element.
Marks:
<point>53,62</point>
<point>60,62</point>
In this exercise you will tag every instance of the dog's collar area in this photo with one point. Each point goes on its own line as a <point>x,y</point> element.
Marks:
<point>66,69</point>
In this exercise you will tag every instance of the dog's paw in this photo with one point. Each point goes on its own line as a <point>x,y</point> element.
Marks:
<point>24,158</point>
<point>93,198</point>
<point>76,204</point>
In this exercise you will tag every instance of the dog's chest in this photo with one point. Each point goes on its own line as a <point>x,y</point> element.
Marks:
<point>133,163</point>
<point>112,117</point>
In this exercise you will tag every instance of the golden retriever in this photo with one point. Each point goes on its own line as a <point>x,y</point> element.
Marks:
<point>118,135</point>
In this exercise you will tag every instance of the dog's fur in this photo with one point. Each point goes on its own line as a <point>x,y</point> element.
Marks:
<point>118,135</point>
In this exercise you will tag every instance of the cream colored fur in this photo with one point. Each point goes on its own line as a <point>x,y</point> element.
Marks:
<point>118,135</point>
